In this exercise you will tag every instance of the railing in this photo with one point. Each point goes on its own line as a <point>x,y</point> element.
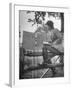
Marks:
<point>45,65</point>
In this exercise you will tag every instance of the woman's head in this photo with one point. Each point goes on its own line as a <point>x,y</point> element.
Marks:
<point>50,24</point>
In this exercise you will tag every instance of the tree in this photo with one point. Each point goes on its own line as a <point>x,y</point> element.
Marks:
<point>40,17</point>
<point>62,22</point>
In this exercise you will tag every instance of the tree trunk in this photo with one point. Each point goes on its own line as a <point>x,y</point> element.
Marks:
<point>62,22</point>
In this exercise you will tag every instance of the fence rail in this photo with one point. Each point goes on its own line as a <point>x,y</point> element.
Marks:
<point>45,66</point>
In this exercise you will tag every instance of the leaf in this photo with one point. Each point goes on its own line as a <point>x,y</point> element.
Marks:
<point>28,12</point>
<point>30,20</point>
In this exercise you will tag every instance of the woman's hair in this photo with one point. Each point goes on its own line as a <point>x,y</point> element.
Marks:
<point>50,24</point>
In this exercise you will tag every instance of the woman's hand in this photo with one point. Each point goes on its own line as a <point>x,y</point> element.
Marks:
<point>48,43</point>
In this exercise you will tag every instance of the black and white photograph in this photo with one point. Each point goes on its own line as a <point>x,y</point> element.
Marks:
<point>41,44</point>
<point>36,44</point>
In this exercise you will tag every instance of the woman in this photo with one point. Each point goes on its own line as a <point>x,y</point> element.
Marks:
<point>54,38</point>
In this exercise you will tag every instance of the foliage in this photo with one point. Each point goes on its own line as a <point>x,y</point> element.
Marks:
<point>39,17</point>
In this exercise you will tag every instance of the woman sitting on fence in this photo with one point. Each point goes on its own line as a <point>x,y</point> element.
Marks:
<point>53,40</point>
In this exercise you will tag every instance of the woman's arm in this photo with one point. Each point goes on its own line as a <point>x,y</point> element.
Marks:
<point>57,36</point>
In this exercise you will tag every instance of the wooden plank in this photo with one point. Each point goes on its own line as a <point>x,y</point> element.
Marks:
<point>44,66</point>
<point>34,54</point>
